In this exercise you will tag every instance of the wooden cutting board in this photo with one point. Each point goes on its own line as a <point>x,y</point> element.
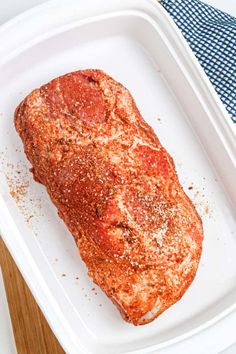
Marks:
<point>31,330</point>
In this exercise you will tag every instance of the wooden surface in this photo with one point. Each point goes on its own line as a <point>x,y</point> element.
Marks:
<point>32,332</point>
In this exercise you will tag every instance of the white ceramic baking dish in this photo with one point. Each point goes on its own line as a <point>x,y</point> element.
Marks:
<point>136,43</point>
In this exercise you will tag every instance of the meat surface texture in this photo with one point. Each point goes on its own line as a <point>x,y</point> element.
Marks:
<point>116,188</point>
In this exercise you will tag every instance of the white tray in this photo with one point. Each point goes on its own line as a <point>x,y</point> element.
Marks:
<point>137,44</point>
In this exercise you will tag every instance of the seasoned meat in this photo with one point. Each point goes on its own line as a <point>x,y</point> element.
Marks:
<point>116,188</point>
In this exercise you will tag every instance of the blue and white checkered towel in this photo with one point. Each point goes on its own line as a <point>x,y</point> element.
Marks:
<point>211,35</point>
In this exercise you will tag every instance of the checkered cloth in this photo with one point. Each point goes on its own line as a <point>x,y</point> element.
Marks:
<point>211,35</point>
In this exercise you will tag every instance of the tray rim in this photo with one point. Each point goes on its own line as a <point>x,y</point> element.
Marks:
<point>5,226</point>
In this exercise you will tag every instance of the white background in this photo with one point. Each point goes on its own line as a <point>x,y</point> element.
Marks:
<point>7,343</point>
<point>11,8</point>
